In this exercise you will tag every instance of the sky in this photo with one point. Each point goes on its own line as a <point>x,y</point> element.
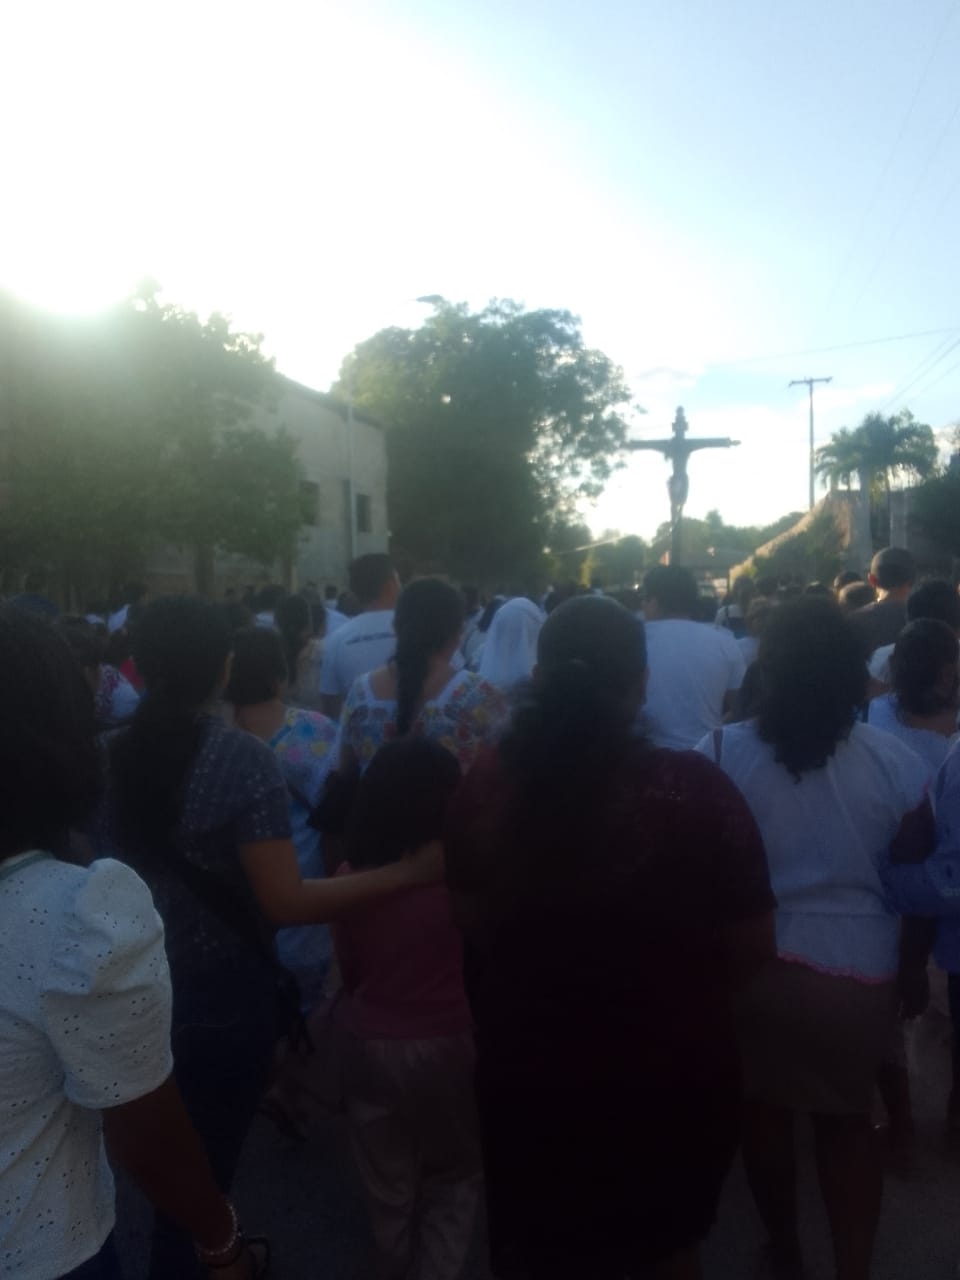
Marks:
<point>730,195</point>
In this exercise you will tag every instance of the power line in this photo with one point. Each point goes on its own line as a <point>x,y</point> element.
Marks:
<point>843,346</point>
<point>914,192</point>
<point>901,133</point>
<point>920,371</point>
<point>936,382</point>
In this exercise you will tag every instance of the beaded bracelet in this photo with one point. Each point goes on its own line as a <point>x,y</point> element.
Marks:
<point>227,1254</point>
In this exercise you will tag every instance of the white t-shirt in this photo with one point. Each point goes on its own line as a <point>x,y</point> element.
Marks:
<point>692,667</point>
<point>880,663</point>
<point>749,647</point>
<point>360,646</point>
<point>334,620</point>
<point>84,1024</point>
<point>826,837</point>
<point>117,621</point>
<point>929,746</point>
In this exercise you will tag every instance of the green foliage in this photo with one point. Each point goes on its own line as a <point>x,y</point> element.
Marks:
<point>935,510</point>
<point>567,551</point>
<point>620,563</point>
<point>711,542</point>
<point>496,421</point>
<point>815,555</point>
<point>877,451</point>
<point>133,429</point>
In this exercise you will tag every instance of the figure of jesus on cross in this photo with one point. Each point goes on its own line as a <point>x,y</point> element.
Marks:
<point>677,449</point>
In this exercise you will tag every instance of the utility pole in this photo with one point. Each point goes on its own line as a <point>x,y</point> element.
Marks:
<point>809,383</point>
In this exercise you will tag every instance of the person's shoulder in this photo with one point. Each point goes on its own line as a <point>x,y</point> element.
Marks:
<point>334,639</point>
<point>693,777</point>
<point>106,896</point>
<point>899,760</point>
<point>721,637</point>
<point>313,727</point>
<point>471,687</point>
<point>235,750</point>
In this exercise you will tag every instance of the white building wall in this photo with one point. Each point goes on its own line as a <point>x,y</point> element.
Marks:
<point>319,425</point>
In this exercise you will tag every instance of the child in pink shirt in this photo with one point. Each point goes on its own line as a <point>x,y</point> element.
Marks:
<point>406,1029</point>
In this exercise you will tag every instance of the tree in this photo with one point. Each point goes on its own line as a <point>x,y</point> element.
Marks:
<point>935,510</point>
<point>876,451</point>
<point>133,429</point>
<point>496,421</point>
<point>815,554</point>
<point>620,562</point>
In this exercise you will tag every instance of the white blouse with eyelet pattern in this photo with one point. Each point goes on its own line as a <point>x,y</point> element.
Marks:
<point>84,1025</point>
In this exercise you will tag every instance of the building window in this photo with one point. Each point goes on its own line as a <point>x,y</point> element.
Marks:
<point>309,502</point>
<point>364,513</point>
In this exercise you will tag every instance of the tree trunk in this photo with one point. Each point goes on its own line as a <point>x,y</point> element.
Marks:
<point>862,549</point>
<point>887,517</point>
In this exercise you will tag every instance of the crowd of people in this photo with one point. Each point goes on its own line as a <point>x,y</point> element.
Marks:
<point>251,843</point>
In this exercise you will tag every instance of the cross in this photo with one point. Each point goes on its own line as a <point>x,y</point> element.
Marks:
<point>677,449</point>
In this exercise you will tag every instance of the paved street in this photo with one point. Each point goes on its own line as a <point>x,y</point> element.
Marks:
<point>305,1198</point>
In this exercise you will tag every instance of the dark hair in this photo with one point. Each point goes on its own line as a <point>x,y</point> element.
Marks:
<point>674,589</point>
<point>846,579</point>
<point>767,585</point>
<point>237,615</point>
<point>922,651</point>
<point>743,591</point>
<point>330,593</point>
<point>491,609</point>
<point>429,615</point>
<point>935,598</point>
<point>258,667</point>
<point>818,589</point>
<point>180,646</point>
<point>49,759</point>
<point>856,595</point>
<point>575,721</point>
<point>893,567</point>
<point>813,681</point>
<point>269,597</point>
<point>370,576</point>
<point>400,802</point>
<point>295,625</point>
<point>471,598</point>
<point>87,642</point>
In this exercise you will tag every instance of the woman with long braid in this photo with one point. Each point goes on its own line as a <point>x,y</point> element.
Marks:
<point>420,692</point>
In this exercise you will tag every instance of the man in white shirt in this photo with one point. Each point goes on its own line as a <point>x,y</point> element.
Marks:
<point>334,619</point>
<point>695,668</point>
<point>365,642</point>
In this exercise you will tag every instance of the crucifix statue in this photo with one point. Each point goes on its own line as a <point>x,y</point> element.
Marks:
<point>677,449</point>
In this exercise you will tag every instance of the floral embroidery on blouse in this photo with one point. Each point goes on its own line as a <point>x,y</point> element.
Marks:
<point>463,719</point>
<point>306,748</point>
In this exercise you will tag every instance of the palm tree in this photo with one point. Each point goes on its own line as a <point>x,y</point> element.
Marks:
<point>877,451</point>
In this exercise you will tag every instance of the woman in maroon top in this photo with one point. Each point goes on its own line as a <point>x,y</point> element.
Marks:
<point>612,895</point>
